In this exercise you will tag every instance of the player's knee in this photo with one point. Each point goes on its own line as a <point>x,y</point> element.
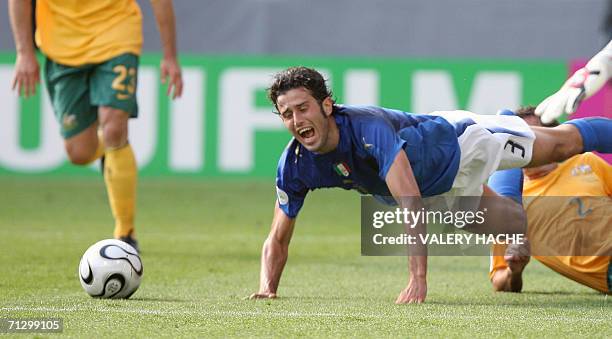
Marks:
<point>114,126</point>
<point>499,284</point>
<point>114,135</point>
<point>78,154</point>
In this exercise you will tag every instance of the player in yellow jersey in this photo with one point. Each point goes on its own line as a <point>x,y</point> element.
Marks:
<point>92,49</point>
<point>572,197</point>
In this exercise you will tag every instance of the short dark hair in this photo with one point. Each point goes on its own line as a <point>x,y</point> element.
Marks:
<point>528,111</point>
<point>296,77</point>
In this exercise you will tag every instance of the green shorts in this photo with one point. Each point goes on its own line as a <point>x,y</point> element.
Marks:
<point>76,92</point>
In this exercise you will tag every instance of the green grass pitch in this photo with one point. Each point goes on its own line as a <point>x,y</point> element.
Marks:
<point>201,242</point>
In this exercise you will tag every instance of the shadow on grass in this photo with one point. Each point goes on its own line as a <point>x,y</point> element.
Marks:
<point>168,300</point>
<point>587,293</point>
<point>531,300</point>
<point>318,298</point>
<point>524,299</point>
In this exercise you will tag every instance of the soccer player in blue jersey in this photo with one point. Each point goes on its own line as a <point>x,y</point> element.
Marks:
<point>390,153</point>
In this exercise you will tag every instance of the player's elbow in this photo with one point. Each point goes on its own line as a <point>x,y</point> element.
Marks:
<point>497,287</point>
<point>499,281</point>
<point>502,281</point>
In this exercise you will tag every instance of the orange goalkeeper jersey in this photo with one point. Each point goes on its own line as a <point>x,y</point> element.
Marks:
<point>78,32</point>
<point>586,181</point>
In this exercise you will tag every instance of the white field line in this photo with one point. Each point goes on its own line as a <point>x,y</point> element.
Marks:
<point>179,312</point>
<point>241,314</point>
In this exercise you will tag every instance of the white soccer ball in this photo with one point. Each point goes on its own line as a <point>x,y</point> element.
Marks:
<point>110,268</point>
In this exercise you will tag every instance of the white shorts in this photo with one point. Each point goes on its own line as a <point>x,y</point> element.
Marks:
<point>488,143</point>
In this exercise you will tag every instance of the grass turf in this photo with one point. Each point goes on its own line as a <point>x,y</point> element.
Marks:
<point>201,242</point>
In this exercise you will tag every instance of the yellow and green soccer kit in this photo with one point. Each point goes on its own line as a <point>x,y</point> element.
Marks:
<point>563,225</point>
<point>79,32</point>
<point>92,49</point>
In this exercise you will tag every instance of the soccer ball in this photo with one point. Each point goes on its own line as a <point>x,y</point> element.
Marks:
<point>110,268</point>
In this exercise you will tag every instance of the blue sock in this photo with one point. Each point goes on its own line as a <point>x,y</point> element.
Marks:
<point>596,133</point>
<point>508,183</point>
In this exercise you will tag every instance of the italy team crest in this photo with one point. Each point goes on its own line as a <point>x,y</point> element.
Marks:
<point>342,169</point>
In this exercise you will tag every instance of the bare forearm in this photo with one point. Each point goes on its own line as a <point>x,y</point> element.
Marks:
<point>20,12</point>
<point>418,251</point>
<point>405,190</point>
<point>273,259</point>
<point>166,23</point>
<point>418,266</point>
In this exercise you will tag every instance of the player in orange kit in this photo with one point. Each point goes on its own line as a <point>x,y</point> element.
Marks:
<point>559,225</point>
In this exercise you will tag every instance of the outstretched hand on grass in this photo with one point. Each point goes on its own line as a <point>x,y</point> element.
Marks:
<point>263,295</point>
<point>415,292</point>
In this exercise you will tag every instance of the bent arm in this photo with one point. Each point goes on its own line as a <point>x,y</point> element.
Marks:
<point>274,254</point>
<point>508,269</point>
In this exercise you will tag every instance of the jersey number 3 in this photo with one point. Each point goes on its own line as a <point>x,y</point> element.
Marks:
<point>514,147</point>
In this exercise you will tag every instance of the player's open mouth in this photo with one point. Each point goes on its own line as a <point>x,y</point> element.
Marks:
<point>306,132</point>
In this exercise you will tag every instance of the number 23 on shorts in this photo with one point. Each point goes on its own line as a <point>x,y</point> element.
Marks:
<point>125,82</point>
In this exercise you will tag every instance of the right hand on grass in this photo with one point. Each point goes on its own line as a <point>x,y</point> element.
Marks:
<point>263,295</point>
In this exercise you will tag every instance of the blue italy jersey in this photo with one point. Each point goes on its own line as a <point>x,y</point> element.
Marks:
<point>370,138</point>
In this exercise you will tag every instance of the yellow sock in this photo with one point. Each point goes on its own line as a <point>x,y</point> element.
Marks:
<point>120,174</point>
<point>99,151</point>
